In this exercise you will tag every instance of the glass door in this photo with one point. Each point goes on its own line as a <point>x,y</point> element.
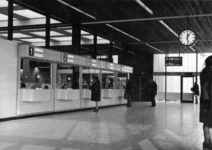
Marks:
<point>186,85</point>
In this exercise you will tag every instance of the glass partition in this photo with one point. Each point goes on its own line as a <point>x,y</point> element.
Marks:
<point>121,80</point>
<point>108,81</point>
<point>35,74</point>
<point>67,76</point>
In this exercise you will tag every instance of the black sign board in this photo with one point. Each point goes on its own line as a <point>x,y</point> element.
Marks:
<point>173,61</point>
<point>31,51</point>
<point>65,57</point>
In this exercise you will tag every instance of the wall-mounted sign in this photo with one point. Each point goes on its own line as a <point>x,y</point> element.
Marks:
<point>94,62</point>
<point>37,52</point>
<point>67,58</point>
<point>89,62</point>
<point>173,61</point>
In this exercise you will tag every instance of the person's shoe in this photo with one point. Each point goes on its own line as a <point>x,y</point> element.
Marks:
<point>152,105</point>
<point>96,110</point>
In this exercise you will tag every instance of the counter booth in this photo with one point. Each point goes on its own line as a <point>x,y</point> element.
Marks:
<point>55,81</point>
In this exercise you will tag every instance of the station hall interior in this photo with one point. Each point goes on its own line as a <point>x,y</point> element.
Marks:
<point>51,50</point>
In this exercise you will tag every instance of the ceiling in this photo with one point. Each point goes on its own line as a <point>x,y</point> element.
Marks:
<point>152,28</point>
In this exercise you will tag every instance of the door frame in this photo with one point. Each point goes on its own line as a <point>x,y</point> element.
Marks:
<point>181,87</point>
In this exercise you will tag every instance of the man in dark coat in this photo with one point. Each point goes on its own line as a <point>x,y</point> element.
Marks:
<point>128,91</point>
<point>195,90</point>
<point>152,91</point>
<point>95,92</point>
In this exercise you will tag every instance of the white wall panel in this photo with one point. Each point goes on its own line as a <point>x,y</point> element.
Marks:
<point>8,78</point>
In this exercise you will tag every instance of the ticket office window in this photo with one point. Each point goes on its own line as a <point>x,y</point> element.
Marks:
<point>108,80</point>
<point>87,74</point>
<point>121,80</point>
<point>35,74</point>
<point>67,76</point>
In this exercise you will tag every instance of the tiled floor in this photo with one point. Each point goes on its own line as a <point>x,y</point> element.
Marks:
<point>168,126</point>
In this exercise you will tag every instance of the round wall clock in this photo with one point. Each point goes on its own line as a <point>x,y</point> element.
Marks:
<point>187,37</point>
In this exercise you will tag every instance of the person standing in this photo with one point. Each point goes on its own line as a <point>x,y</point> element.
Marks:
<point>195,90</point>
<point>95,92</point>
<point>128,91</point>
<point>205,114</point>
<point>152,91</point>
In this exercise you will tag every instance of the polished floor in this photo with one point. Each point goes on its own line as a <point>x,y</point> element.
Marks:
<point>168,126</point>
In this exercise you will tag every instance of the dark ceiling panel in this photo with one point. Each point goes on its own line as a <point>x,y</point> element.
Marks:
<point>151,32</point>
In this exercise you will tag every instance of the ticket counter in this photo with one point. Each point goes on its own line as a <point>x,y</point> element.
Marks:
<point>52,81</point>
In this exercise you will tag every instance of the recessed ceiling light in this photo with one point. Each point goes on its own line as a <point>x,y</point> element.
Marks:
<point>28,14</point>
<point>70,31</point>
<point>84,32</point>
<point>5,17</point>
<point>90,37</point>
<point>17,35</point>
<point>43,33</point>
<point>4,3</point>
<point>33,40</point>
<point>52,21</point>
<point>62,38</point>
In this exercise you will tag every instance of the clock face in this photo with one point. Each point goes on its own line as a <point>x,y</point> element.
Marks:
<point>187,37</point>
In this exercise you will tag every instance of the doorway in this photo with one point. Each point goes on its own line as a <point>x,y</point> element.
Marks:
<point>186,93</point>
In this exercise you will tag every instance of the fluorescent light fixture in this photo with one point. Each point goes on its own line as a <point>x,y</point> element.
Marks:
<point>43,33</point>
<point>192,49</point>
<point>90,37</point>
<point>131,52</point>
<point>72,7</point>
<point>28,14</point>
<point>123,32</point>
<point>52,21</point>
<point>4,3</point>
<point>5,17</point>
<point>154,48</point>
<point>62,38</point>
<point>70,31</point>
<point>163,23</point>
<point>84,32</point>
<point>33,40</point>
<point>17,35</point>
<point>117,47</point>
<point>144,6</point>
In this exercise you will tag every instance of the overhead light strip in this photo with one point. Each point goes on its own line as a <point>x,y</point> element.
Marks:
<point>131,52</point>
<point>123,32</point>
<point>144,6</point>
<point>117,47</point>
<point>64,3</point>
<point>164,24</point>
<point>154,48</point>
<point>192,49</point>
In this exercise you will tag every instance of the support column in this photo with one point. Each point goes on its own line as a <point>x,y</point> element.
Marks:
<point>10,20</point>
<point>110,56</point>
<point>76,38</point>
<point>94,54</point>
<point>47,39</point>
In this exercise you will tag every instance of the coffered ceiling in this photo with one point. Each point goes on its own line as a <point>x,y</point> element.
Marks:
<point>144,26</point>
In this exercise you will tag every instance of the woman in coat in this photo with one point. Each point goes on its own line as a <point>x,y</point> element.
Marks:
<point>95,92</point>
<point>206,102</point>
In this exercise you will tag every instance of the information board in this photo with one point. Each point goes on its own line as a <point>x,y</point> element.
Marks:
<point>173,61</point>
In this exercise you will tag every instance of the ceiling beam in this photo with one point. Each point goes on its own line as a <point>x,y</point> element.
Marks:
<point>147,19</point>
